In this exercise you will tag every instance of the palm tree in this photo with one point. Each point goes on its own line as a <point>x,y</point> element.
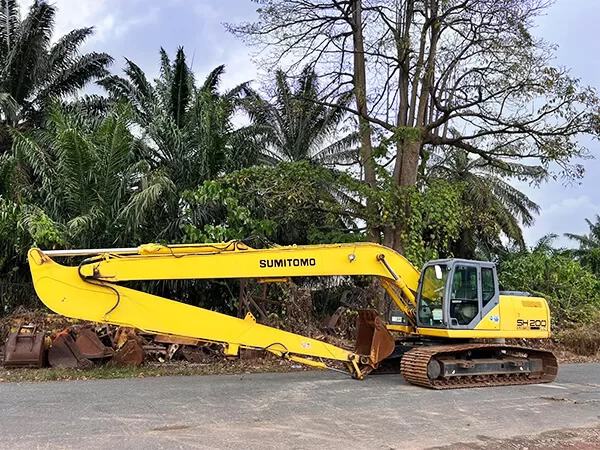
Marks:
<point>298,126</point>
<point>86,177</point>
<point>187,129</point>
<point>170,94</point>
<point>33,70</point>
<point>589,246</point>
<point>492,206</point>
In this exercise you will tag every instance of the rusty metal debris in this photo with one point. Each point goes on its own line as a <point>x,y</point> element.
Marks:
<point>192,354</point>
<point>330,323</point>
<point>373,338</point>
<point>64,353</point>
<point>247,353</point>
<point>164,339</point>
<point>90,345</point>
<point>25,348</point>
<point>124,334</point>
<point>86,345</point>
<point>130,354</point>
<point>155,352</point>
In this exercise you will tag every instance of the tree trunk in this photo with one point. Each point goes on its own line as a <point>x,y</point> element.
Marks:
<point>407,163</point>
<point>405,174</point>
<point>360,93</point>
<point>408,149</point>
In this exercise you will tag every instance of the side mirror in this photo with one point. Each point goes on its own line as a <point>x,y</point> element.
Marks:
<point>438,272</point>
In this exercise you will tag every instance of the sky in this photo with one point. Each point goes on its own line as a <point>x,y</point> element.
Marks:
<point>136,29</point>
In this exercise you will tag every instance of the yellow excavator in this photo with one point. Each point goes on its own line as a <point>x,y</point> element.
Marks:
<point>451,320</point>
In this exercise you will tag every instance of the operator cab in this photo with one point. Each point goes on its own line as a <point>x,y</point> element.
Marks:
<point>456,293</point>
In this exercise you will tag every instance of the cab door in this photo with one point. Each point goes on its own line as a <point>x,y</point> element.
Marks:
<point>464,305</point>
<point>473,297</point>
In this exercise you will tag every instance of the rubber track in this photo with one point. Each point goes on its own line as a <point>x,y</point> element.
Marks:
<point>413,367</point>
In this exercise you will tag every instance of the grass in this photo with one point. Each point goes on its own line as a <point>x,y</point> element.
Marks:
<point>148,370</point>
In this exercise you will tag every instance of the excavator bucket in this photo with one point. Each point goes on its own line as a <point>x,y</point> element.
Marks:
<point>25,348</point>
<point>64,353</point>
<point>130,354</point>
<point>373,339</point>
<point>90,346</point>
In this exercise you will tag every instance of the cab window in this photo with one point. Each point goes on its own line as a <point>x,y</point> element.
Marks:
<point>488,287</point>
<point>433,292</point>
<point>464,300</point>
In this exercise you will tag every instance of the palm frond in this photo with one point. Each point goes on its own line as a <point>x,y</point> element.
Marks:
<point>10,20</point>
<point>81,71</point>
<point>296,126</point>
<point>180,88</point>
<point>65,49</point>
<point>9,109</point>
<point>515,201</point>
<point>153,190</point>
<point>165,65</point>
<point>138,80</point>
<point>212,81</point>
<point>339,152</point>
<point>29,50</point>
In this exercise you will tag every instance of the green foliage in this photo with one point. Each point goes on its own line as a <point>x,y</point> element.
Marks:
<point>298,125</point>
<point>436,214</point>
<point>492,208</point>
<point>14,241</point>
<point>588,252</point>
<point>572,291</point>
<point>188,136</point>
<point>428,217</point>
<point>188,130</point>
<point>236,221</point>
<point>44,232</point>
<point>33,70</point>
<point>291,203</point>
<point>86,184</point>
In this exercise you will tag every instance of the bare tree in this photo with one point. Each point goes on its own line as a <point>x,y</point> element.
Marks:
<point>467,74</point>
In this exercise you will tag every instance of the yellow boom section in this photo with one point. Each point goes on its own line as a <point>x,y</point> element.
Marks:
<point>236,260</point>
<point>88,292</point>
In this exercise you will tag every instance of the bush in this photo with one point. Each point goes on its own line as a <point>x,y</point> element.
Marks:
<point>583,339</point>
<point>572,291</point>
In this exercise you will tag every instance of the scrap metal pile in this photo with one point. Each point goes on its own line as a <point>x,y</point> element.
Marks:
<point>37,339</point>
<point>84,346</point>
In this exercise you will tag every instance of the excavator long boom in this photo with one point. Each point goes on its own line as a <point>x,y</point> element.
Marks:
<point>90,292</point>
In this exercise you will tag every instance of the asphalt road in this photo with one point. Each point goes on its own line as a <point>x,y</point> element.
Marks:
<point>293,410</point>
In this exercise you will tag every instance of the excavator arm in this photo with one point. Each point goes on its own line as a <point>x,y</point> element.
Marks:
<point>91,291</point>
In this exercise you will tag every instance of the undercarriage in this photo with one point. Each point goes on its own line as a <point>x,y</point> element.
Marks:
<point>451,365</point>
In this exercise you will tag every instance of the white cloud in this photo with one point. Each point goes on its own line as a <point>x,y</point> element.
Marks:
<point>151,16</point>
<point>207,12</point>
<point>106,16</point>
<point>568,206</point>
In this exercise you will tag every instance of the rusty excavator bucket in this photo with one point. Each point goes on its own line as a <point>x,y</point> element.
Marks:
<point>90,346</point>
<point>25,348</point>
<point>65,353</point>
<point>373,339</point>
